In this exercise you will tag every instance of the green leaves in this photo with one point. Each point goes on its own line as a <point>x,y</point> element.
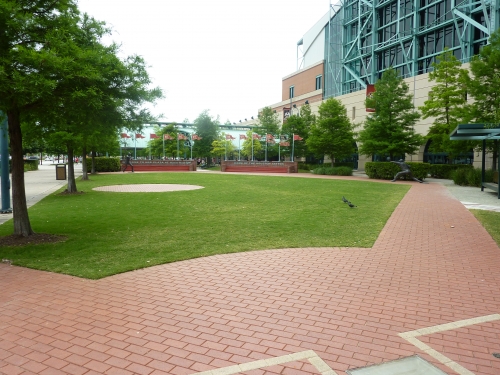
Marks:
<point>390,129</point>
<point>333,133</point>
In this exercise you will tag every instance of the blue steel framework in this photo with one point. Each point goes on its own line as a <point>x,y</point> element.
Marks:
<point>365,37</point>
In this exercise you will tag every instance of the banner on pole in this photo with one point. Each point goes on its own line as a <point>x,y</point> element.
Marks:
<point>167,137</point>
<point>153,136</point>
<point>370,89</point>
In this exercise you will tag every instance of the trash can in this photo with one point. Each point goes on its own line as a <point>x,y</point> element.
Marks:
<point>60,171</point>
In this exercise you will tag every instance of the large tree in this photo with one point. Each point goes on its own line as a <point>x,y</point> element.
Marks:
<point>484,87</point>
<point>447,104</point>
<point>333,132</point>
<point>390,130</point>
<point>35,57</point>
<point>55,75</point>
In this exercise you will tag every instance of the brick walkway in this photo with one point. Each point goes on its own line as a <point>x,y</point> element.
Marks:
<point>287,311</point>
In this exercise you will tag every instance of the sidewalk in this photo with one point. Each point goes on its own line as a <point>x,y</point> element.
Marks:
<point>38,184</point>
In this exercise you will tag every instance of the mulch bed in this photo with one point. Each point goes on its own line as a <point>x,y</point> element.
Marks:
<point>34,239</point>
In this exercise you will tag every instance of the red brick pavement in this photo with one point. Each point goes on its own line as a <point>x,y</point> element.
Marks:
<point>432,264</point>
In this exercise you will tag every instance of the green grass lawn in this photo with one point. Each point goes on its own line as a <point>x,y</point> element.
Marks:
<point>490,221</point>
<point>109,233</point>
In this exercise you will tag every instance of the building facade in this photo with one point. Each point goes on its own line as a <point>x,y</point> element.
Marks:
<point>354,42</point>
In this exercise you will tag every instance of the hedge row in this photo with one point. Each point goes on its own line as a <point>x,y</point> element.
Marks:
<point>471,176</point>
<point>333,171</point>
<point>446,170</point>
<point>387,170</point>
<point>104,164</point>
<point>29,165</point>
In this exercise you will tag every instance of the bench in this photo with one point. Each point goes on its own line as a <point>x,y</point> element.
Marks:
<point>491,186</point>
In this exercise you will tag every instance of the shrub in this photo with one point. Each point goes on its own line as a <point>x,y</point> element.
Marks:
<point>471,176</point>
<point>103,164</point>
<point>30,165</point>
<point>333,171</point>
<point>387,170</point>
<point>459,177</point>
<point>446,170</point>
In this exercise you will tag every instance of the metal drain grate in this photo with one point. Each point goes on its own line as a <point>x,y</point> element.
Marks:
<point>413,365</point>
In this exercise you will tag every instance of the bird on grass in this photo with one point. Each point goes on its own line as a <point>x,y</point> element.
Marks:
<point>351,205</point>
<point>344,200</point>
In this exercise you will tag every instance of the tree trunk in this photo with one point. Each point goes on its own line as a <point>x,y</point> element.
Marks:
<point>93,162</point>
<point>71,172</point>
<point>22,226</point>
<point>85,175</point>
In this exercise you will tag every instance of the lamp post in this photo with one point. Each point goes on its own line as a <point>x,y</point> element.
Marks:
<point>4,166</point>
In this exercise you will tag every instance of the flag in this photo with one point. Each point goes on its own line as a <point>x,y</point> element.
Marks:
<point>370,89</point>
<point>269,137</point>
<point>195,137</point>
<point>229,136</point>
<point>139,136</point>
<point>124,135</point>
<point>153,136</point>
<point>297,137</point>
<point>181,136</point>
<point>167,137</point>
<point>284,144</point>
<point>256,136</point>
<point>243,136</point>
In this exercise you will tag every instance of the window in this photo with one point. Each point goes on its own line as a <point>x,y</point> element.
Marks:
<point>292,91</point>
<point>318,82</point>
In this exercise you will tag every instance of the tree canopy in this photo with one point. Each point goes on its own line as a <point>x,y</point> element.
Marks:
<point>57,78</point>
<point>390,130</point>
<point>333,133</point>
<point>447,104</point>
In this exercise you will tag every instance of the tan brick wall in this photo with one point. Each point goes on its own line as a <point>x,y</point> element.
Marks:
<point>303,81</point>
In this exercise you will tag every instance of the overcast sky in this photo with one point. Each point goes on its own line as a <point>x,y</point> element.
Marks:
<point>227,56</point>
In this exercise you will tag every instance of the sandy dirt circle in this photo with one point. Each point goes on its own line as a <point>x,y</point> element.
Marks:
<point>147,188</point>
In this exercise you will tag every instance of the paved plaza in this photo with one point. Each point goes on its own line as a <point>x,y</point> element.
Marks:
<point>429,286</point>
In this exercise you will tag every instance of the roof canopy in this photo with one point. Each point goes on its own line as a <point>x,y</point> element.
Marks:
<point>475,131</point>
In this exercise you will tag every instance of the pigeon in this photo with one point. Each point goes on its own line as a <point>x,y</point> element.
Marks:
<point>344,200</point>
<point>351,205</point>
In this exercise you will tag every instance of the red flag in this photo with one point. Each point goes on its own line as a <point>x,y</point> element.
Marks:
<point>124,135</point>
<point>284,144</point>
<point>167,137</point>
<point>181,136</point>
<point>139,136</point>
<point>229,136</point>
<point>153,136</point>
<point>269,137</point>
<point>297,137</point>
<point>195,137</point>
<point>256,136</point>
<point>370,89</point>
<point>243,136</point>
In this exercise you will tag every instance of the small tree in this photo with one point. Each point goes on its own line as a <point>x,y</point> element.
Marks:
<point>333,132</point>
<point>390,130</point>
<point>296,125</point>
<point>447,104</point>
<point>222,147</point>
<point>250,146</point>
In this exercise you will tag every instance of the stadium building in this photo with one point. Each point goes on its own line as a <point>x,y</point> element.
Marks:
<point>355,41</point>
